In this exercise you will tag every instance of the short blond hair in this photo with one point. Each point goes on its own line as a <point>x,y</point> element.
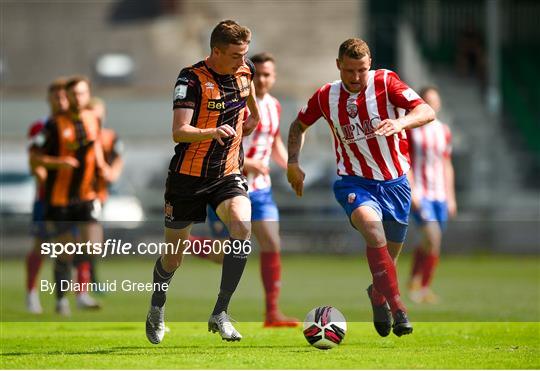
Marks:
<point>229,32</point>
<point>354,48</point>
<point>96,102</point>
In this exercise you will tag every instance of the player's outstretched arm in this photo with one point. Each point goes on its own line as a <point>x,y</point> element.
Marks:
<point>41,155</point>
<point>279,152</point>
<point>450,188</point>
<point>183,132</point>
<point>116,169</point>
<point>37,170</point>
<point>415,199</point>
<point>256,167</point>
<point>41,160</point>
<point>420,115</point>
<point>295,175</point>
<point>102,165</point>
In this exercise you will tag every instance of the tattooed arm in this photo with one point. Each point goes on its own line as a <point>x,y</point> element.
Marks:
<point>295,175</point>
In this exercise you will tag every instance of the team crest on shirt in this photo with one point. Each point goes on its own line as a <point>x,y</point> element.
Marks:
<point>351,197</point>
<point>209,85</point>
<point>67,133</point>
<point>352,109</point>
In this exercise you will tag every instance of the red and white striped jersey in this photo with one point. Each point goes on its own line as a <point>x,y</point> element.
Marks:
<point>259,144</point>
<point>429,146</point>
<point>353,119</point>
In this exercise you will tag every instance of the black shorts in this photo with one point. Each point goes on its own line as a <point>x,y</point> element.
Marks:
<point>186,196</point>
<point>64,218</point>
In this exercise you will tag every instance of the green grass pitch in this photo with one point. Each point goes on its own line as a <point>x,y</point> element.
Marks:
<point>488,319</point>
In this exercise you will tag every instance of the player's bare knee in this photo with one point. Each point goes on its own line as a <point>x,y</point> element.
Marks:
<point>269,244</point>
<point>433,240</point>
<point>274,245</point>
<point>372,232</point>
<point>91,231</point>
<point>375,240</point>
<point>240,229</point>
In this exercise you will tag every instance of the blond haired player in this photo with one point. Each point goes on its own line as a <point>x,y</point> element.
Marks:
<point>364,112</point>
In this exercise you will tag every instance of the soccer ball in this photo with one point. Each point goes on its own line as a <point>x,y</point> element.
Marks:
<point>325,327</point>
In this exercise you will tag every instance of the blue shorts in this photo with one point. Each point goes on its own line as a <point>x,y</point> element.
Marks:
<point>45,229</point>
<point>432,211</point>
<point>391,199</point>
<point>263,207</point>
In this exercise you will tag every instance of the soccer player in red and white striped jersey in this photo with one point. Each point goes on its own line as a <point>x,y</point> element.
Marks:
<point>365,112</point>
<point>264,143</point>
<point>433,195</point>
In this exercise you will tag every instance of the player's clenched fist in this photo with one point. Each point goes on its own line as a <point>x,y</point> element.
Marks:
<point>224,131</point>
<point>296,176</point>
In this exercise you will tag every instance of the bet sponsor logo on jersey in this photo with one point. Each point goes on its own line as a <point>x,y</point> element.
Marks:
<point>221,104</point>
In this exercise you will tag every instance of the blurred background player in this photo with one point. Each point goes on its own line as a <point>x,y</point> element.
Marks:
<point>73,155</point>
<point>112,151</point>
<point>58,103</point>
<point>264,143</point>
<point>361,110</point>
<point>209,101</point>
<point>433,196</point>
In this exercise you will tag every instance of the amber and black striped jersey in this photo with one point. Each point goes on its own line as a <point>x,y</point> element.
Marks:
<point>216,100</point>
<point>71,136</point>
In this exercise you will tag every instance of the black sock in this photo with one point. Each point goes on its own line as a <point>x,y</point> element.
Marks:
<point>93,275</point>
<point>62,271</point>
<point>231,273</point>
<point>160,276</point>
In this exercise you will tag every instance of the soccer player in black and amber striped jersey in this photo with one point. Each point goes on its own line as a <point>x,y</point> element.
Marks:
<point>73,156</point>
<point>210,100</point>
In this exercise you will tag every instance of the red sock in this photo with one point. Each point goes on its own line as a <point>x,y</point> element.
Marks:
<point>430,263</point>
<point>196,251</point>
<point>418,261</point>
<point>33,264</point>
<point>271,277</point>
<point>83,274</point>
<point>384,275</point>
<point>376,297</point>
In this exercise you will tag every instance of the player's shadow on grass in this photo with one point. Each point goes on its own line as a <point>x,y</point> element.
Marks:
<point>58,352</point>
<point>223,345</point>
<point>125,349</point>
